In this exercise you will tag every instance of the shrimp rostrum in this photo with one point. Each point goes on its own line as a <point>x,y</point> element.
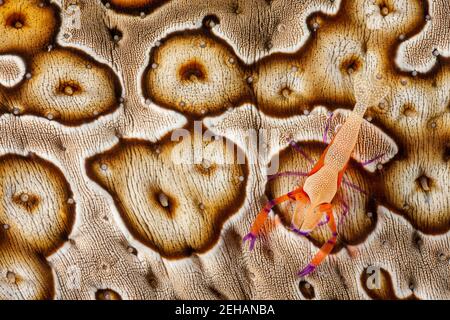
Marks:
<point>313,200</point>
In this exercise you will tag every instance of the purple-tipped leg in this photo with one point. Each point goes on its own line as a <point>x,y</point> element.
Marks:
<point>252,237</point>
<point>327,126</point>
<point>309,268</point>
<point>321,223</point>
<point>365,163</point>
<point>299,232</point>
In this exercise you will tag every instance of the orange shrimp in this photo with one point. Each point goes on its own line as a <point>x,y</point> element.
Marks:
<point>313,200</point>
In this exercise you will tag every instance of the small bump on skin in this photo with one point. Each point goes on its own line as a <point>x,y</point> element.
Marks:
<point>401,37</point>
<point>16,111</point>
<point>163,200</point>
<point>142,14</point>
<point>414,73</point>
<point>154,65</point>
<point>435,52</point>
<point>50,116</point>
<point>6,226</point>
<point>68,90</point>
<point>231,60</point>
<point>427,17</point>
<point>28,75</point>
<point>104,166</point>
<point>70,201</point>
<point>132,250</point>
<point>384,11</point>
<point>201,206</point>
<point>442,257</point>
<point>249,79</point>
<point>241,178</point>
<point>424,183</point>
<point>370,214</point>
<point>294,68</point>
<point>107,5</point>
<point>306,112</point>
<point>24,197</point>
<point>157,43</point>
<point>281,27</point>
<point>286,92</point>
<point>379,166</point>
<point>11,277</point>
<point>403,82</point>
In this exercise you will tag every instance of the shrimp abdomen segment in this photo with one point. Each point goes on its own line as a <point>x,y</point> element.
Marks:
<point>340,149</point>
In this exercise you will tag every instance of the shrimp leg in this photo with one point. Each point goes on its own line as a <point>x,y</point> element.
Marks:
<point>326,247</point>
<point>297,194</point>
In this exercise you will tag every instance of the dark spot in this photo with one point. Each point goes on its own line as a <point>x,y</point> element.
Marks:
<point>132,250</point>
<point>192,71</point>
<point>446,155</point>
<point>115,34</point>
<point>152,280</point>
<point>164,201</point>
<point>424,183</point>
<point>27,201</point>
<point>210,21</point>
<point>417,240</point>
<point>216,293</point>
<point>409,110</point>
<point>350,64</point>
<point>206,167</point>
<point>385,8</point>
<point>16,20</point>
<point>307,289</point>
<point>268,45</point>
<point>68,88</point>
<point>285,92</point>
<point>236,9</point>
<point>107,294</point>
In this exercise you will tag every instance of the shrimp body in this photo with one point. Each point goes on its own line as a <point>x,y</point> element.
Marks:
<point>314,199</point>
<point>325,178</point>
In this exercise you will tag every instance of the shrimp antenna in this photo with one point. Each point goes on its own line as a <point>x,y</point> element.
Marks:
<point>368,90</point>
